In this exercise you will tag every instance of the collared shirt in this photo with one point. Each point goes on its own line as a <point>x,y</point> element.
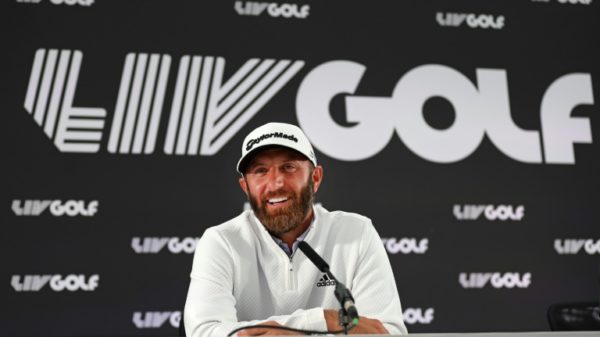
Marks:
<point>299,239</point>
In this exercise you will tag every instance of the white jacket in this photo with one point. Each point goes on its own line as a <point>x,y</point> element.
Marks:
<point>240,276</point>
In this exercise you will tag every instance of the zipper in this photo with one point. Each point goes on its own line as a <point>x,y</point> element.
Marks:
<point>290,279</point>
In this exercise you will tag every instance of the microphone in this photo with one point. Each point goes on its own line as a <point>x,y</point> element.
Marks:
<point>316,259</point>
<point>342,293</point>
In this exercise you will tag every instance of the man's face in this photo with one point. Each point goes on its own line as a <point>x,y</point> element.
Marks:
<point>280,185</point>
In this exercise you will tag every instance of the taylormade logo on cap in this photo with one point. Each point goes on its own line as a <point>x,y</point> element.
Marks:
<point>275,134</point>
<point>255,141</point>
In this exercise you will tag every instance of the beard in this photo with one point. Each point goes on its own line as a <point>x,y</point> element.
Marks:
<point>283,220</point>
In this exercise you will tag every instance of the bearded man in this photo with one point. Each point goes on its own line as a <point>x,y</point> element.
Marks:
<point>247,271</point>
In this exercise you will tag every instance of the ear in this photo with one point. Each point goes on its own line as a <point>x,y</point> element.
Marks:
<point>244,185</point>
<point>317,177</point>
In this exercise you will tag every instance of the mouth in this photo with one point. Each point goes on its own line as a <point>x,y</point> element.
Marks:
<point>277,201</point>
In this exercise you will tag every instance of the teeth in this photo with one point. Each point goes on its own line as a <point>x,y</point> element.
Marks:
<point>276,200</point>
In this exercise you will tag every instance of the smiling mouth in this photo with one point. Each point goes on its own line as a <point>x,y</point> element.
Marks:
<point>276,201</point>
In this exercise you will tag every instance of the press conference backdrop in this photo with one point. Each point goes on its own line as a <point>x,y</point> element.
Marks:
<point>466,130</point>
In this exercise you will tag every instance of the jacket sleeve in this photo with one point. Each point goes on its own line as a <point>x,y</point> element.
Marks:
<point>210,304</point>
<point>374,287</point>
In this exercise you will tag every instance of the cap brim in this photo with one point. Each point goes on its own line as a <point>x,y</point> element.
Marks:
<point>244,161</point>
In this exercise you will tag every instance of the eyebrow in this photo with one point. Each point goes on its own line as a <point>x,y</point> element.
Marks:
<point>254,163</point>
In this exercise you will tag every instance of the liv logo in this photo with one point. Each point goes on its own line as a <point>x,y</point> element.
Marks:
<point>49,100</point>
<point>220,109</point>
<point>206,112</point>
<point>156,319</point>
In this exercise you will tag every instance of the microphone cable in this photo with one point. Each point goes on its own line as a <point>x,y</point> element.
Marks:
<point>280,327</point>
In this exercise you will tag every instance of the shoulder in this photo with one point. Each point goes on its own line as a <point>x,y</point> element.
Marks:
<point>230,229</point>
<point>340,215</point>
<point>347,220</point>
<point>225,240</point>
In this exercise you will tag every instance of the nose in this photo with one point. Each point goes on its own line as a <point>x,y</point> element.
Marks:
<point>275,180</point>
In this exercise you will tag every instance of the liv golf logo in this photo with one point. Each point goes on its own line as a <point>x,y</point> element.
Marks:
<point>490,212</point>
<point>484,21</point>
<point>156,319</point>
<point>574,246</point>
<point>418,315</point>
<point>153,245</point>
<point>57,282</point>
<point>273,9</point>
<point>206,111</point>
<point>406,245</point>
<point>496,280</point>
<point>57,207</point>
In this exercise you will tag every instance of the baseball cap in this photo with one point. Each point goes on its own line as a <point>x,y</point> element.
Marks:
<point>275,134</point>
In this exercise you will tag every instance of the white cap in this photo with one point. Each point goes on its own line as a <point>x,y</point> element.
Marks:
<point>275,134</point>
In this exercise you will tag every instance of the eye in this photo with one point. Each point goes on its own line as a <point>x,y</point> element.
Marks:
<point>259,170</point>
<point>289,167</point>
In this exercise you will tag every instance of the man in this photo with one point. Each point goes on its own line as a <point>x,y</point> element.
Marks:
<point>247,271</point>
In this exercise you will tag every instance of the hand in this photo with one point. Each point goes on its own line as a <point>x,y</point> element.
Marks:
<point>266,331</point>
<point>366,326</point>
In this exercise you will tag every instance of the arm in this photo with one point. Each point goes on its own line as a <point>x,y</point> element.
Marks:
<point>365,326</point>
<point>374,287</point>
<point>210,306</point>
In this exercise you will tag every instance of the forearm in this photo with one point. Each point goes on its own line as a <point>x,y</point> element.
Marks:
<point>199,324</point>
<point>365,325</point>
<point>331,319</point>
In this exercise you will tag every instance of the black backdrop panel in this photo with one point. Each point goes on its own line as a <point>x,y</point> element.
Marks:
<point>466,130</point>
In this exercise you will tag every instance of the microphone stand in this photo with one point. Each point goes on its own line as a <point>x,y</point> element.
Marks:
<point>342,294</point>
<point>344,320</point>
